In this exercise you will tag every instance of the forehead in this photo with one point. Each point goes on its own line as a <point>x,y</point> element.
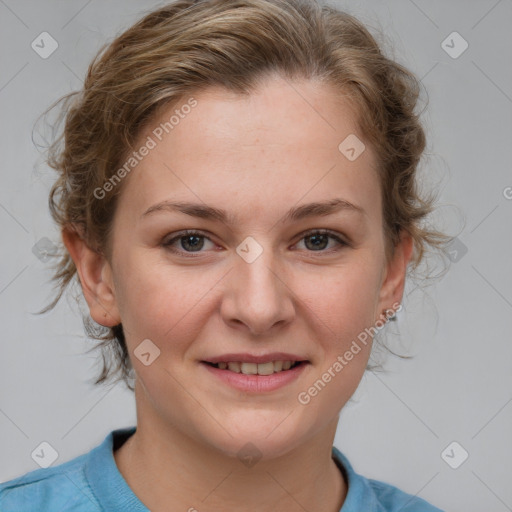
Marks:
<point>279,143</point>
<point>305,116</point>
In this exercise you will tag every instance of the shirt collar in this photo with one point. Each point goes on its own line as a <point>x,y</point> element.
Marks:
<point>360,495</point>
<point>107,483</point>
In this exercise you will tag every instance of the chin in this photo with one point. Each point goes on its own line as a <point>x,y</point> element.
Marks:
<point>262,435</point>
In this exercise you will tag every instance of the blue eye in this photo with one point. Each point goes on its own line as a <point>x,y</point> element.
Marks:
<point>320,239</point>
<point>193,241</point>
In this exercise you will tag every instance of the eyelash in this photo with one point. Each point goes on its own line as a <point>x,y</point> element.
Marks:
<point>168,244</point>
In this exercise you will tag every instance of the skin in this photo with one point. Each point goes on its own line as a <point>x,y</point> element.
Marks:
<point>256,157</point>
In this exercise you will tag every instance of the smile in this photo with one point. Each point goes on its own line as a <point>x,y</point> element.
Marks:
<point>256,378</point>
<point>267,368</point>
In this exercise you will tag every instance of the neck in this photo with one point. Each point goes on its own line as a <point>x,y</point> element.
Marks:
<point>166,468</point>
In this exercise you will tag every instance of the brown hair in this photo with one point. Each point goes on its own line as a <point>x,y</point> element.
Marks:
<point>189,45</point>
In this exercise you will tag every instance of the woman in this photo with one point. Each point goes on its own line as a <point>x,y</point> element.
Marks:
<point>237,197</point>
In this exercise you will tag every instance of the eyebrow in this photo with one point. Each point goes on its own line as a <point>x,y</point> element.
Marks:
<point>297,213</point>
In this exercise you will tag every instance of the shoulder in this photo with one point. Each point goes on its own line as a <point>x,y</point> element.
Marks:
<point>393,499</point>
<point>374,495</point>
<point>63,487</point>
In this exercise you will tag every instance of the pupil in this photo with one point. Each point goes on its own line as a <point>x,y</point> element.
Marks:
<point>316,245</point>
<point>188,239</point>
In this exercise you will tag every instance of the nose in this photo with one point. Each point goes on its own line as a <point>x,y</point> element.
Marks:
<point>257,296</point>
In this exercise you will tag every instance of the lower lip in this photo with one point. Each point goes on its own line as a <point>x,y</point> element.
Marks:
<point>257,383</point>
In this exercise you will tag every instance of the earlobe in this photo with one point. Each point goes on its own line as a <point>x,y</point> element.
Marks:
<point>95,277</point>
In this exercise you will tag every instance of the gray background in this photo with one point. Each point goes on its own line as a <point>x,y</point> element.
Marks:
<point>458,386</point>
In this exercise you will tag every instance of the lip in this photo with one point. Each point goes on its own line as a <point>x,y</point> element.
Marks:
<point>253,358</point>
<point>256,383</point>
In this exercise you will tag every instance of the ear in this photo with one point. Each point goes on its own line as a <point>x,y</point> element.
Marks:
<point>95,276</point>
<point>393,283</point>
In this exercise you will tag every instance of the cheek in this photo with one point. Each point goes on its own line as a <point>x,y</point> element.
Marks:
<point>345,300</point>
<point>163,302</point>
<point>342,311</point>
<point>147,295</point>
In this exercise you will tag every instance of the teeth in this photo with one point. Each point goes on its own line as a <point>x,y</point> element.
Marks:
<point>234,367</point>
<point>265,368</point>
<point>256,369</point>
<point>249,368</point>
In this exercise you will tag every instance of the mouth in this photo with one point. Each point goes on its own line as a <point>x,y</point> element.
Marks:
<point>256,373</point>
<point>263,369</point>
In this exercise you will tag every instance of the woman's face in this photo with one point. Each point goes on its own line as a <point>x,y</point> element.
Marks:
<point>258,281</point>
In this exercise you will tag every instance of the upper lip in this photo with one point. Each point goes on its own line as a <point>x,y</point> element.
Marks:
<point>252,358</point>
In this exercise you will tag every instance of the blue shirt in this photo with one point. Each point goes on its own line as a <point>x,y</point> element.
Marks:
<point>92,483</point>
